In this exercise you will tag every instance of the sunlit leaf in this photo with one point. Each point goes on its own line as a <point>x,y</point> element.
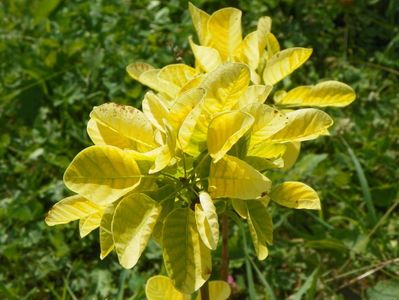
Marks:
<point>225,130</point>
<point>263,29</point>
<point>224,26</point>
<point>207,221</point>
<point>250,50</point>
<point>126,120</point>
<point>136,69</point>
<point>233,178</point>
<point>161,288</point>
<point>151,79</point>
<point>267,149</point>
<point>155,110</point>
<point>273,46</point>
<point>177,75</point>
<point>132,224</point>
<point>106,238</point>
<point>70,209</point>
<point>200,21</point>
<point>254,94</point>
<point>89,223</point>
<point>206,57</point>
<point>193,131</point>
<point>190,266</point>
<point>284,63</point>
<point>328,93</point>
<point>192,84</point>
<point>218,290</point>
<point>295,194</point>
<point>183,105</point>
<point>104,135</point>
<point>102,174</point>
<point>303,124</point>
<point>268,121</point>
<point>167,153</point>
<point>291,154</point>
<point>225,86</point>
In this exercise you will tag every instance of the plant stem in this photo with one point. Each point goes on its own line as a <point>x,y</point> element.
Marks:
<point>204,291</point>
<point>224,270</point>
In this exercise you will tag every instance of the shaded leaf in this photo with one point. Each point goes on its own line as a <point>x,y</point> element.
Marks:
<point>134,218</point>
<point>187,260</point>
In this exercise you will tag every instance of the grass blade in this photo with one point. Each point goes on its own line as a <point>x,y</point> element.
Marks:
<point>309,287</point>
<point>248,269</point>
<point>262,279</point>
<point>363,182</point>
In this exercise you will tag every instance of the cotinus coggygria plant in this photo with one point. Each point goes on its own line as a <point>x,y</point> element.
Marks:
<point>199,152</point>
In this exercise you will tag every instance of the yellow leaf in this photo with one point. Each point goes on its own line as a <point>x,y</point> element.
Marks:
<point>267,150</point>
<point>151,79</point>
<point>295,194</point>
<point>328,93</point>
<point>250,50</point>
<point>240,207</point>
<point>102,174</point>
<point>263,164</point>
<point>291,154</point>
<point>225,130</point>
<point>167,153</point>
<point>132,224</point>
<point>103,135</point>
<point>284,63</point>
<point>200,21</point>
<point>254,94</point>
<point>70,209</point>
<point>89,223</point>
<point>184,104</point>
<point>155,110</point>
<point>260,227</point>
<point>303,124</point>
<point>268,121</point>
<point>233,178</point>
<point>224,26</point>
<point>136,69</point>
<point>207,221</point>
<point>187,260</point>
<point>106,238</point>
<point>225,86</point>
<point>273,46</point>
<point>176,75</point>
<point>206,57</point>
<point>167,206</point>
<point>126,120</point>
<point>218,290</point>
<point>161,288</point>
<point>266,155</point>
<point>260,246</point>
<point>192,84</point>
<point>263,29</point>
<point>193,131</point>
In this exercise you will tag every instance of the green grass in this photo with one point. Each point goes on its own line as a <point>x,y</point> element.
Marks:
<point>60,58</point>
